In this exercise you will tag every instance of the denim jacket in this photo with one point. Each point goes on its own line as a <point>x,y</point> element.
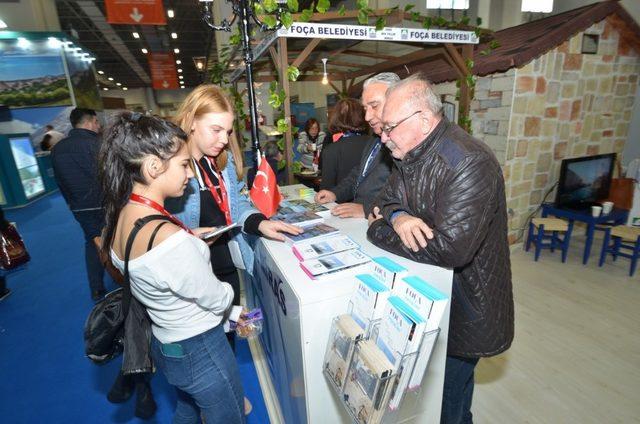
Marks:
<point>187,209</point>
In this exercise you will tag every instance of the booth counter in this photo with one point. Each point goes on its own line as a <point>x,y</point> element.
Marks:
<point>298,314</point>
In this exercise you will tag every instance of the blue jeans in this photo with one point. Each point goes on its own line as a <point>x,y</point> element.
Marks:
<point>92,223</point>
<point>206,377</point>
<point>458,390</point>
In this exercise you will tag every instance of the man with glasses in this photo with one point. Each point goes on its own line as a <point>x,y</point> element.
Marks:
<point>445,205</point>
<point>357,191</point>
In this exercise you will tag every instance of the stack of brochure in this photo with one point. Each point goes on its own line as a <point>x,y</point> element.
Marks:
<point>323,246</point>
<point>387,271</point>
<point>341,343</point>
<point>301,219</point>
<point>368,386</point>
<point>328,266</point>
<point>300,205</point>
<point>311,232</point>
<point>368,300</point>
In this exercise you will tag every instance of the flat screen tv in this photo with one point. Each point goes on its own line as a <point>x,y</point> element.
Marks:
<point>584,181</point>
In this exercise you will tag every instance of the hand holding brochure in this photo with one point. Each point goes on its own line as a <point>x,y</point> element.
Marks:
<point>218,231</point>
<point>311,232</point>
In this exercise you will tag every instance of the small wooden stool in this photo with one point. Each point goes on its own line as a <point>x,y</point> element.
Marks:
<point>624,237</point>
<point>549,241</point>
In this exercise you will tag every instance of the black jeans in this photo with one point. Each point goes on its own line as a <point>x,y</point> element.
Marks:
<point>458,390</point>
<point>92,222</point>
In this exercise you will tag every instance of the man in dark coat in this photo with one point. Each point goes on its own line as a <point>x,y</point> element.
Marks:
<point>75,165</point>
<point>356,192</point>
<point>445,205</point>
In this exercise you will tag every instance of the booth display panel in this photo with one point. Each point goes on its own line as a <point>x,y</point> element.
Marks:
<point>298,315</point>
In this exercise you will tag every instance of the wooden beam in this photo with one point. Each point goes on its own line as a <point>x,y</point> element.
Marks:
<point>284,82</point>
<point>465,90</point>
<point>397,61</point>
<point>335,88</point>
<point>351,81</point>
<point>368,54</point>
<point>275,57</point>
<point>457,58</point>
<point>306,52</point>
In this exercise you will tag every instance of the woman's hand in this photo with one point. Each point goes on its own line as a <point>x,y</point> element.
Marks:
<point>198,232</point>
<point>273,229</point>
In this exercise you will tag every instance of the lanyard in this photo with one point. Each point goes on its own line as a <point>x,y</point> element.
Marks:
<point>148,202</point>
<point>221,199</point>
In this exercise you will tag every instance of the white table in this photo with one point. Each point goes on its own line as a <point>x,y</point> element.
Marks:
<point>298,313</point>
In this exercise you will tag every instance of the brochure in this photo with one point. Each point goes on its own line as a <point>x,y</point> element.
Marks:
<point>387,271</point>
<point>311,232</point>
<point>369,300</point>
<point>328,245</point>
<point>367,390</point>
<point>341,344</point>
<point>301,219</point>
<point>330,265</point>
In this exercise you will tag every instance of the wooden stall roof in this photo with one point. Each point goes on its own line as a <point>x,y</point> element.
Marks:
<point>521,44</point>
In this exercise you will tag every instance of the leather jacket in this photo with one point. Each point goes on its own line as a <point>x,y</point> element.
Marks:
<point>454,183</point>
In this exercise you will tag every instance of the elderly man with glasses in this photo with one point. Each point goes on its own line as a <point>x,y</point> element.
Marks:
<point>445,205</point>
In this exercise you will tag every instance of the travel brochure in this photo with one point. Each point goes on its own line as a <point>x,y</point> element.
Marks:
<point>312,249</point>
<point>327,266</point>
<point>342,341</point>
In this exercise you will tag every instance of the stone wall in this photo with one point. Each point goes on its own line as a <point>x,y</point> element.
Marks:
<point>566,104</point>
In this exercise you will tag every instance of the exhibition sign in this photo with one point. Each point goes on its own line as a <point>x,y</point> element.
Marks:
<point>135,12</point>
<point>163,71</point>
<point>360,32</point>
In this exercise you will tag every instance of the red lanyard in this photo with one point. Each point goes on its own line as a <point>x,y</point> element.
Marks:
<point>148,202</point>
<point>221,199</point>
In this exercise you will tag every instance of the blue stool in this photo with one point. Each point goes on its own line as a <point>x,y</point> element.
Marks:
<point>624,237</point>
<point>551,241</point>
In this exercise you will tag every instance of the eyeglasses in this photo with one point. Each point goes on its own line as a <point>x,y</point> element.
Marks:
<point>387,129</point>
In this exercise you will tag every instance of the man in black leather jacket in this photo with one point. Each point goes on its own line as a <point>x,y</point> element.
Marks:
<point>357,192</point>
<point>445,205</point>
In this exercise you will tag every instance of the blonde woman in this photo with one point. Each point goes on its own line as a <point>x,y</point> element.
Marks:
<point>217,195</point>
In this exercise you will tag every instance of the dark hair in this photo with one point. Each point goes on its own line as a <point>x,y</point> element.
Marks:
<point>310,122</point>
<point>79,115</point>
<point>348,115</point>
<point>128,140</point>
<point>45,144</point>
<point>49,127</point>
<point>271,149</point>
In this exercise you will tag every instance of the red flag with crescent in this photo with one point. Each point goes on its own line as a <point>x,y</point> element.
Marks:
<point>265,193</point>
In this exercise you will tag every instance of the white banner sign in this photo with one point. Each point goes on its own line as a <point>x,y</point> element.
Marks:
<point>358,32</point>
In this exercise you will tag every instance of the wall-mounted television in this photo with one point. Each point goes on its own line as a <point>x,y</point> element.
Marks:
<point>584,181</point>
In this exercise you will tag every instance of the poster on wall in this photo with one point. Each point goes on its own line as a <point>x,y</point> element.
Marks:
<point>32,75</point>
<point>83,80</point>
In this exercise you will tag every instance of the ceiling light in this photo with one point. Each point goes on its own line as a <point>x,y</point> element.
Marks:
<point>182,86</point>
<point>325,78</point>
<point>2,24</point>
<point>174,35</point>
<point>23,43</point>
<point>176,51</point>
<point>145,51</point>
<point>170,13</point>
<point>118,84</point>
<point>178,62</point>
<point>180,76</point>
<point>101,72</point>
<point>110,79</point>
<point>180,70</point>
<point>54,43</point>
<point>105,89</point>
<point>136,35</point>
<point>125,88</point>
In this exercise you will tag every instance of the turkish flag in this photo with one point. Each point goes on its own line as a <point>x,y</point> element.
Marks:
<point>265,193</point>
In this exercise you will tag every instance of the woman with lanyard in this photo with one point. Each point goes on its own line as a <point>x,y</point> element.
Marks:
<point>216,196</point>
<point>143,161</point>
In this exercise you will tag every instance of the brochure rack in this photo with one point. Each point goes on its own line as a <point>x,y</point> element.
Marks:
<point>367,389</point>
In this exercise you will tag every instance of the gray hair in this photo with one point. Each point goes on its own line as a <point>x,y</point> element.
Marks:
<point>423,96</point>
<point>387,78</point>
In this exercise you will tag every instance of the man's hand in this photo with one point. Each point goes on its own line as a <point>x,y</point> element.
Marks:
<point>348,210</point>
<point>273,229</point>
<point>374,215</point>
<point>325,196</point>
<point>412,231</point>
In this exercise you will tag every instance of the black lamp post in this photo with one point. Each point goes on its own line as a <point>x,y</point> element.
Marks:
<point>243,11</point>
